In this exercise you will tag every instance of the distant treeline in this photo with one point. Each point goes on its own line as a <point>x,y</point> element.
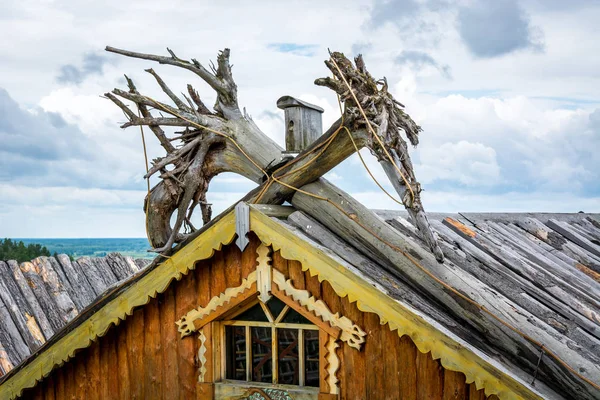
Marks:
<point>94,247</point>
<point>13,250</point>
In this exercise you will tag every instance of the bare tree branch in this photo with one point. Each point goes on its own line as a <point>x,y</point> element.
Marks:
<point>180,104</point>
<point>158,132</point>
<point>195,67</point>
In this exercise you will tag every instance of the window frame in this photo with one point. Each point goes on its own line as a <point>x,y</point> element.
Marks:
<point>274,324</point>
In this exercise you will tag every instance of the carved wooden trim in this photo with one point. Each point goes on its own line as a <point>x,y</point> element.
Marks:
<point>186,325</point>
<point>264,273</point>
<point>294,305</point>
<point>261,280</point>
<point>202,356</point>
<point>351,333</point>
<point>332,366</point>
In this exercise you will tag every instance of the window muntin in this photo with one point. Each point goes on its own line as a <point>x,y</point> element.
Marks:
<point>272,343</point>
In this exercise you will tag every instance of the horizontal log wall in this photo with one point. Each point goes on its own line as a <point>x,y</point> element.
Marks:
<point>144,357</point>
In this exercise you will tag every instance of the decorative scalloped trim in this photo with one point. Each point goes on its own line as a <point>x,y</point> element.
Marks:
<point>138,294</point>
<point>351,333</point>
<point>452,355</point>
<point>202,356</point>
<point>333,365</point>
<point>186,323</point>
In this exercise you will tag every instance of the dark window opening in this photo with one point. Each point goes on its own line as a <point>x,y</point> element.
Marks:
<point>272,343</point>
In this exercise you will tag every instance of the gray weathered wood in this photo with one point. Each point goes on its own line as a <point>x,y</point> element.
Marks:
<point>28,294</point>
<point>567,231</point>
<point>105,270</point>
<point>550,283</point>
<point>141,263</point>
<point>83,293</point>
<point>393,285</point>
<point>512,284</point>
<point>123,267</point>
<point>274,210</point>
<point>10,336</point>
<point>56,289</point>
<point>524,353</point>
<point>46,301</point>
<point>557,241</point>
<point>20,311</point>
<point>556,266</point>
<point>92,275</point>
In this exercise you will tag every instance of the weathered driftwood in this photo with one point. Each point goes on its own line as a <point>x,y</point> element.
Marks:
<point>9,334</point>
<point>38,298</point>
<point>228,140</point>
<point>83,293</point>
<point>56,288</point>
<point>20,312</point>
<point>552,308</point>
<point>523,351</point>
<point>32,301</point>
<point>41,293</point>
<point>567,231</point>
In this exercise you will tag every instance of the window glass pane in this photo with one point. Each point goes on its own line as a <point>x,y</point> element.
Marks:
<point>293,317</point>
<point>236,352</point>
<point>255,313</point>
<point>262,363</point>
<point>287,349</point>
<point>311,358</point>
<point>275,306</point>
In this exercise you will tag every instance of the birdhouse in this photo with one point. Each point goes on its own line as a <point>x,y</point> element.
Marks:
<point>303,123</point>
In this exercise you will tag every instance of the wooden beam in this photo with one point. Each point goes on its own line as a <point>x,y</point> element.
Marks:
<point>235,303</point>
<point>360,227</point>
<point>325,326</point>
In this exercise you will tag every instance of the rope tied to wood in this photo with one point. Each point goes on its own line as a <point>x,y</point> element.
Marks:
<point>322,148</point>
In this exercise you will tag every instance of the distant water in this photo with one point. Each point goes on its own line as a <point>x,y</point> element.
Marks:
<point>135,248</point>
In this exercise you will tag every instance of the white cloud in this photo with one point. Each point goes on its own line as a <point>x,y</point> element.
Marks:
<point>465,162</point>
<point>516,132</point>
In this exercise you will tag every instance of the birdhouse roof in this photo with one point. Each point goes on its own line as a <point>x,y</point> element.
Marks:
<point>289,101</point>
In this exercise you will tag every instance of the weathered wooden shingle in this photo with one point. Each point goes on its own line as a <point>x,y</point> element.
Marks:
<point>543,265</point>
<point>40,297</point>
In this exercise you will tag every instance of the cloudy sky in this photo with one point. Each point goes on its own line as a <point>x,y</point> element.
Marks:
<point>507,93</point>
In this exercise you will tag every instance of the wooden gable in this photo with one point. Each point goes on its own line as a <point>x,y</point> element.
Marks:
<point>404,354</point>
<point>144,357</point>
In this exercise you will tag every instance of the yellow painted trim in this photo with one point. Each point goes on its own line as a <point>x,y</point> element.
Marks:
<point>139,293</point>
<point>400,317</point>
<point>426,337</point>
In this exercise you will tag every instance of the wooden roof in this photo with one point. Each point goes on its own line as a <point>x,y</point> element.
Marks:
<point>38,298</point>
<point>546,266</point>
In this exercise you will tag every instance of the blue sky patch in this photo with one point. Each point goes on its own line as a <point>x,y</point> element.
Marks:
<point>306,50</point>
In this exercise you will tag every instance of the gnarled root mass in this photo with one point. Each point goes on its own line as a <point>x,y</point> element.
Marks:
<point>209,144</point>
<point>227,139</point>
<point>385,120</point>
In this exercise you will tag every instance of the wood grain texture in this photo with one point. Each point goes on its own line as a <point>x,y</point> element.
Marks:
<point>92,355</point>
<point>143,357</point>
<point>135,344</point>
<point>169,338</point>
<point>355,364</point>
<point>374,356</point>
<point>152,350</point>
<point>430,377</point>
<point>185,299</point>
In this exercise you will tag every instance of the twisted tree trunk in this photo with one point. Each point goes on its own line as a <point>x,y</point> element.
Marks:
<point>227,140</point>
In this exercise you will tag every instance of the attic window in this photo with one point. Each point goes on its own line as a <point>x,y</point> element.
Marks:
<point>272,343</point>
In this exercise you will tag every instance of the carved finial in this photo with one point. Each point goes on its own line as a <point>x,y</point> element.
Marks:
<point>242,224</point>
<point>264,272</point>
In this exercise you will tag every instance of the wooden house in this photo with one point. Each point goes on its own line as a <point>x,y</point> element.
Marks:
<point>265,302</point>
